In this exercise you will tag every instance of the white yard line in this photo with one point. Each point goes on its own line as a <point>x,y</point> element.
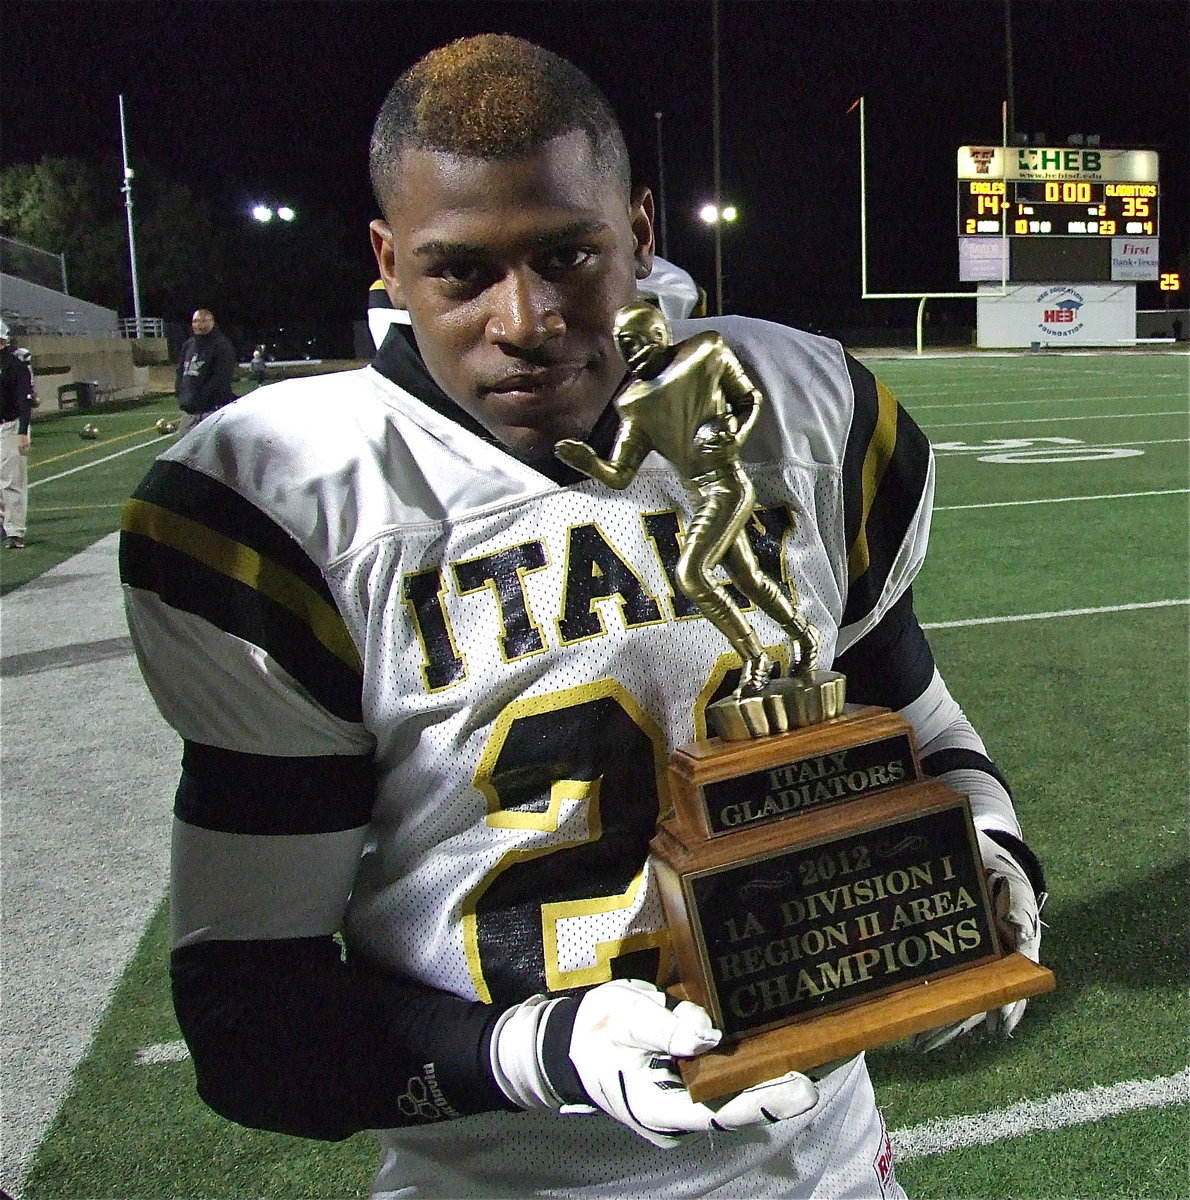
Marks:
<point>1060,500</point>
<point>1177,412</point>
<point>1050,616</point>
<point>96,461</point>
<point>1037,1116</point>
<point>940,1136</point>
<point>982,404</point>
<point>162,1052</point>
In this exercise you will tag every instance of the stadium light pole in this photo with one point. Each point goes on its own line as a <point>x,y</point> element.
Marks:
<point>127,190</point>
<point>716,165</point>
<point>717,215</point>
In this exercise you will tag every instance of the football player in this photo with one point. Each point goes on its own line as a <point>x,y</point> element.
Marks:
<point>428,675</point>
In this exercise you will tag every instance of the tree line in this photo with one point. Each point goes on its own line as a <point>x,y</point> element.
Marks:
<point>190,251</point>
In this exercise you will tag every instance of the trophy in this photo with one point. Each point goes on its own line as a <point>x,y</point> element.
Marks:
<point>823,896</point>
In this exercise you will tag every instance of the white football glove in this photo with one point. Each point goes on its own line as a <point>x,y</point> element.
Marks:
<point>1017,911</point>
<point>612,1049</point>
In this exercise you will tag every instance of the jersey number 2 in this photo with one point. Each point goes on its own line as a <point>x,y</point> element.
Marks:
<point>576,770</point>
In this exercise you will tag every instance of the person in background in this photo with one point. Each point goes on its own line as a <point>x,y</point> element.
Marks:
<point>205,370</point>
<point>27,358</point>
<point>17,395</point>
<point>257,366</point>
<point>427,677</point>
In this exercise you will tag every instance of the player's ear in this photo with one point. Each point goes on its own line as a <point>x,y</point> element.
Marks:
<point>640,216</point>
<point>386,260</point>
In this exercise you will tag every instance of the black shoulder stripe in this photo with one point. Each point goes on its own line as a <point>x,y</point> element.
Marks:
<point>885,467</point>
<point>266,607</point>
<point>232,792</point>
<point>892,664</point>
<point>185,492</point>
<point>859,438</point>
<point>958,759</point>
<point>378,297</point>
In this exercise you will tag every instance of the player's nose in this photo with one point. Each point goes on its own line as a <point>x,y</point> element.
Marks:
<point>525,312</point>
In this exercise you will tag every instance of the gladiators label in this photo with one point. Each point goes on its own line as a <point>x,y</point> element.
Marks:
<point>801,931</point>
<point>749,801</point>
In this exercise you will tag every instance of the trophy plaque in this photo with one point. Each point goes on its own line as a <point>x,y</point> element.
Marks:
<point>823,896</point>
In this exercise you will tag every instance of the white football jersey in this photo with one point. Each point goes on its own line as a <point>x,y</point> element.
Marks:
<point>514,655</point>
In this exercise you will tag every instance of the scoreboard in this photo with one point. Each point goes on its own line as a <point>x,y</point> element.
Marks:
<point>1053,208</point>
<point>1096,210</point>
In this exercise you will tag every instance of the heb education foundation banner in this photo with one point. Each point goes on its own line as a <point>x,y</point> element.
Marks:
<point>1057,314</point>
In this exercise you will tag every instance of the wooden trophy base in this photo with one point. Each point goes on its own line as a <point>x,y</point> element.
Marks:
<point>844,1033</point>
<point>823,898</point>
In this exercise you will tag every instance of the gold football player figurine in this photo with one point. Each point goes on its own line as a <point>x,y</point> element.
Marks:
<point>694,405</point>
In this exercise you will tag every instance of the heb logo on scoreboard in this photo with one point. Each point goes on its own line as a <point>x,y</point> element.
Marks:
<point>1060,311</point>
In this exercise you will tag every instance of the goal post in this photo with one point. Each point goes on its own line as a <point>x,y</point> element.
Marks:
<point>920,297</point>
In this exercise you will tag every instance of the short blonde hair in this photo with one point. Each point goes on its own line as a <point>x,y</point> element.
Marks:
<point>491,96</point>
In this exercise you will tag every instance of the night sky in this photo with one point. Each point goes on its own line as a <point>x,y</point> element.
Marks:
<point>274,100</point>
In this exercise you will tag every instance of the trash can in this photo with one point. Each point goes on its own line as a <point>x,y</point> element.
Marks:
<point>82,393</point>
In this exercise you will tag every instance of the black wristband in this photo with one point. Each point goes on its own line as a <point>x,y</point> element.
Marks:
<point>555,1052</point>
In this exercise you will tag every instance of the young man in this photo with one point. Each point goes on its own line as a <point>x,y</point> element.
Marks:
<point>428,677</point>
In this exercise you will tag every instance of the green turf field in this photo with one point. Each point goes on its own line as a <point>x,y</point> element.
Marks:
<point>1056,598</point>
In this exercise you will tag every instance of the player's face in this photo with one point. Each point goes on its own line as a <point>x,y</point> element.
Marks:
<point>202,322</point>
<point>512,272</point>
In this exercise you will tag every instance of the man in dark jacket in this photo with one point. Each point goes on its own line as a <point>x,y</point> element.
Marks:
<point>204,371</point>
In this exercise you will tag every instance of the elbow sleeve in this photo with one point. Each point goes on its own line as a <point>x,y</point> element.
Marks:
<point>287,1036</point>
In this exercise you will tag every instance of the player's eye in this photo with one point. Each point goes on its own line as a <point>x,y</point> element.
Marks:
<point>568,258</point>
<point>461,275</point>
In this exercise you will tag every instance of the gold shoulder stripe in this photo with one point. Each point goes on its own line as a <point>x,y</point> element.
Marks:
<point>876,460</point>
<point>245,565</point>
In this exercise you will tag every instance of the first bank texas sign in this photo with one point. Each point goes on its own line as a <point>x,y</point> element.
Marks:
<point>1133,258</point>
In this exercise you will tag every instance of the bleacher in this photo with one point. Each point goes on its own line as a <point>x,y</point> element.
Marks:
<point>82,353</point>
